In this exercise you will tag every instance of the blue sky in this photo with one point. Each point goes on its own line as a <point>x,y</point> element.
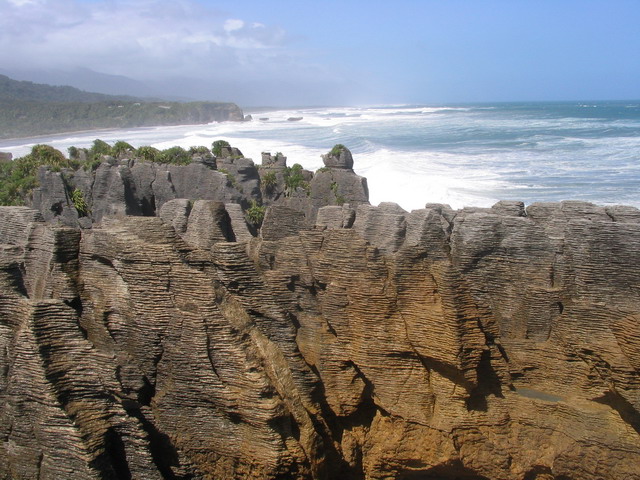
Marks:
<point>285,52</point>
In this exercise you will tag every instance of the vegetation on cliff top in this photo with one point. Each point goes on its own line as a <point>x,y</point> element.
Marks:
<point>18,178</point>
<point>294,178</point>
<point>337,150</point>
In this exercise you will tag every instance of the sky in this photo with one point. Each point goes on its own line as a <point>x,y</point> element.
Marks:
<point>348,52</point>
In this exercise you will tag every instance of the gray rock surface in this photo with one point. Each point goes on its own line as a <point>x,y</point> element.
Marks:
<point>176,213</point>
<point>342,160</point>
<point>281,222</point>
<point>208,223</point>
<point>384,226</point>
<point>133,187</point>
<point>338,216</point>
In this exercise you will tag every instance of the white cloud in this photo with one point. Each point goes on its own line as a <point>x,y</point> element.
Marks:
<point>140,39</point>
<point>177,46</point>
<point>20,3</point>
<point>233,24</point>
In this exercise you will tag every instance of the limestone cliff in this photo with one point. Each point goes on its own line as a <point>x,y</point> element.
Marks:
<point>497,343</point>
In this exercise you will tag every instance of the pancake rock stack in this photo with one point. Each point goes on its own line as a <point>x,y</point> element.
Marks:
<point>367,343</point>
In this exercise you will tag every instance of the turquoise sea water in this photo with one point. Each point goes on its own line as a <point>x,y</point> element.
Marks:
<point>463,155</point>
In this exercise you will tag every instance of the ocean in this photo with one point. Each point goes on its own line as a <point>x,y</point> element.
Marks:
<point>461,155</point>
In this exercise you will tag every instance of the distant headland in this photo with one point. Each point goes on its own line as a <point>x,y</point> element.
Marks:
<point>30,109</point>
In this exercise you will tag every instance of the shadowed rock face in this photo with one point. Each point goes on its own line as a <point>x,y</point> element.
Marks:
<point>480,344</point>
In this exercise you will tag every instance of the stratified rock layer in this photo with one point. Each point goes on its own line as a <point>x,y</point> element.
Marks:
<point>478,344</point>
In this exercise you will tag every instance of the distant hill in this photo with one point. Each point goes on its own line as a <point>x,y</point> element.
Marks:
<point>29,109</point>
<point>88,80</point>
<point>15,90</point>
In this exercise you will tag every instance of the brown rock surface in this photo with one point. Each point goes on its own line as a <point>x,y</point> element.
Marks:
<point>479,344</point>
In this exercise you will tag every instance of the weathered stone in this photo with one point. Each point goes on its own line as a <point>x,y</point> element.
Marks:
<point>281,222</point>
<point>243,176</point>
<point>176,213</point>
<point>473,345</point>
<point>241,231</point>
<point>208,223</point>
<point>383,226</point>
<point>110,192</point>
<point>341,216</point>
<point>335,187</point>
<point>345,341</point>
<point>274,161</point>
<point>343,159</point>
<point>622,213</point>
<point>506,207</point>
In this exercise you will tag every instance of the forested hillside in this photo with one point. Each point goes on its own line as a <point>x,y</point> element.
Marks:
<point>28,109</point>
<point>14,90</point>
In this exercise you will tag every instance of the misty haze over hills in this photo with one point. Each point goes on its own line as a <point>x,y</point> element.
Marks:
<point>243,91</point>
<point>84,79</point>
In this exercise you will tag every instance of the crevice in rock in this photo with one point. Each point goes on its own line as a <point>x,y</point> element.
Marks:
<point>449,372</point>
<point>538,471</point>
<point>453,470</point>
<point>112,463</point>
<point>148,206</point>
<point>625,409</point>
<point>15,276</point>
<point>162,450</point>
<point>146,392</point>
<point>76,304</point>
<point>489,383</point>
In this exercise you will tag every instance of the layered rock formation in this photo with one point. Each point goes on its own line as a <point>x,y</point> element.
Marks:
<point>497,343</point>
<point>131,186</point>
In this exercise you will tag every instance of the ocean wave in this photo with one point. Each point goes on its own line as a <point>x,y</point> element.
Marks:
<point>415,154</point>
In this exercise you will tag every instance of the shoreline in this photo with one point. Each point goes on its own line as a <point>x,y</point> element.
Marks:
<point>410,154</point>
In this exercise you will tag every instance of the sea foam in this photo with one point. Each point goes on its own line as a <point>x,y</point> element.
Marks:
<point>463,155</point>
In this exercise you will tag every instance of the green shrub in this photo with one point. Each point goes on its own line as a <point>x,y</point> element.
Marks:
<point>218,145</point>
<point>47,155</point>
<point>121,147</point>
<point>77,198</point>
<point>255,213</point>
<point>268,181</point>
<point>14,187</point>
<point>148,154</point>
<point>199,150</point>
<point>175,156</point>
<point>99,148</point>
<point>19,178</point>
<point>293,179</point>
<point>337,150</point>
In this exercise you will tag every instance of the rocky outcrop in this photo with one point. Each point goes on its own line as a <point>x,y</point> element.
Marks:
<point>339,157</point>
<point>334,184</point>
<point>499,343</point>
<point>131,186</point>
